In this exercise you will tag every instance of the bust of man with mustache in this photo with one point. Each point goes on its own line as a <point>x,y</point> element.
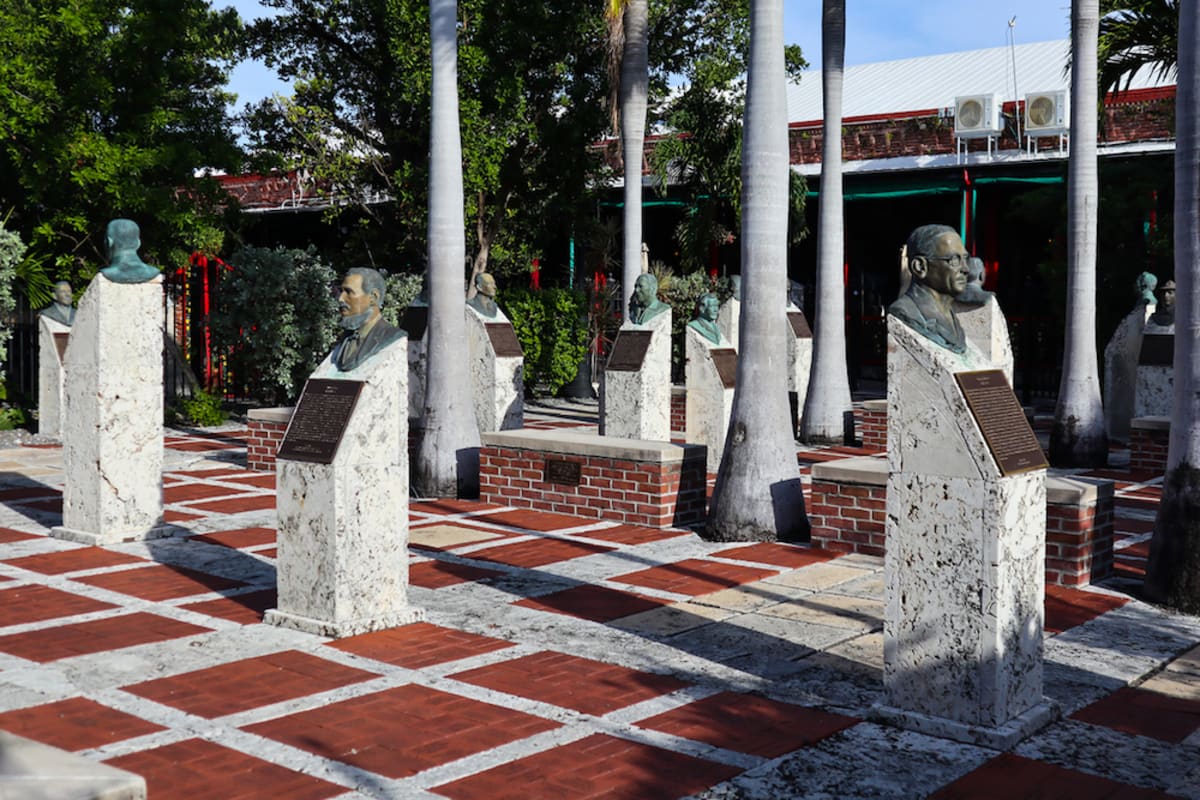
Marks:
<point>360,299</point>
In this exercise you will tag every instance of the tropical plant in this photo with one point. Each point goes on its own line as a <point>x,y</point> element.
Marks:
<point>12,252</point>
<point>758,494</point>
<point>827,408</point>
<point>1078,437</point>
<point>552,327</point>
<point>1173,570</point>
<point>447,462</point>
<point>1136,34</point>
<point>276,317</point>
<point>201,409</point>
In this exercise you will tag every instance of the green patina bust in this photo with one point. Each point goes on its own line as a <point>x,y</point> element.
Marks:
<point>645,305</point>
<point>937,262</point>
<point>124,266</point>
<point>708,308</point>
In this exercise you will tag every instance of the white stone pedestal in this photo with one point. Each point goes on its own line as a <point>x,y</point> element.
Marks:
<point>636,403</point>
<point>799,362</point>
<point>728,320</point>
<point>964,563</point>
<point>709,394</point>
<point>342,563</point>
<point>1120,372</point>
<point>112,416</point>
<point>1154,385</point>
<point>987,329</point>
<point>50,375</point>
<point>497,376</point>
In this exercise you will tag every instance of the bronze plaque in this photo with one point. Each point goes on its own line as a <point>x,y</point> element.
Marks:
<point>725,360</point>
<point>800,327</point>
<point>1002,421</point>
<point>504,340</point>
<point>629,350</point>
<point>1158,350</point>
<point>319,421</point>
<point>60,344</point>
<point>414,321</point>
<point>565,473</point>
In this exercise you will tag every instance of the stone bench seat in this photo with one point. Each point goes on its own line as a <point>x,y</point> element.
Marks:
<point>848,508</point>
<point>38,771</point>
<point>655,484</point>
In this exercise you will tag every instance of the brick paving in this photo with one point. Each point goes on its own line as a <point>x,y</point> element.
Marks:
<point>563,657</point>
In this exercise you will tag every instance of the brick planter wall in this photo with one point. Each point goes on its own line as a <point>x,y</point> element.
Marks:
<point>1148,439</point>
<point>267,426</point>
<point>848,500</point>
<point>655,484</point>
<point>678,411</point>
<point>871,419</point>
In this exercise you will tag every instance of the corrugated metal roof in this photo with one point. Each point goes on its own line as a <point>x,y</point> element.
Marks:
<point>929,82</point>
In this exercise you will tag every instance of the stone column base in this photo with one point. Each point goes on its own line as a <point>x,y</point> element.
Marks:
<point>91,538</point>
<point>1001,737</point>
<point>339,629</point>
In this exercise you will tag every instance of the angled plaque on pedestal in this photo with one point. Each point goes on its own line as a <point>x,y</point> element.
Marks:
<point>112,415</point>
<point>635,395</point>
<point>964,560</point>
<point>342,501</point>
<point>711,371</point>
<point>415,321</point>
<point>497,372</point>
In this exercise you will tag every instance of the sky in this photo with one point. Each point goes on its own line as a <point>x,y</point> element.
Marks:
<point>876,30</point>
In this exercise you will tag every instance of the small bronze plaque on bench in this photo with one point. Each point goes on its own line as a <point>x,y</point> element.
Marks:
<point>564,473</point>
<point>60,344</point>
<point>504,340</point>
<point>725,360</point>
<point>799,324</point>
<point>1002,421</point>
<point>414,321</point>
<point>1158,350</point>
<point>629,350</point>
<point>320,420</point>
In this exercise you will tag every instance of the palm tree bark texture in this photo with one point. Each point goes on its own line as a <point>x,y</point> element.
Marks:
<point>758,496</point>
<point>448,453</point>
<point>828,415</point>
<point>1173,570</point>
<point>634,87</point>
<point>1078,438</point>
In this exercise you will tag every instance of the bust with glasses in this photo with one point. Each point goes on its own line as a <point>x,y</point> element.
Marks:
<point>937,263</point>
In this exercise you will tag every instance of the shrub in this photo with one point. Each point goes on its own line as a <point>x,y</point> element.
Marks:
<point>277,316</point>
<point>401,290</point>
<point>202,409</point>
<point>12,250</point>
<point>551,325</point>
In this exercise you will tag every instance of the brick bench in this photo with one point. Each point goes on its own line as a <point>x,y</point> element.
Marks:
<point>656,484</point>
<point>267,426</point>
<point>1148,440</point>
<point>848,507</point>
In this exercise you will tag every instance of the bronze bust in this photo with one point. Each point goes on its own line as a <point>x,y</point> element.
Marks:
<point>707,310</point>
<point>61,310</point>
<point>645,305</point>
<point>360,299</point>
<point>123,240</point>
<point>1164,309</point>
<point>484,300</point>
<point>937,262</point>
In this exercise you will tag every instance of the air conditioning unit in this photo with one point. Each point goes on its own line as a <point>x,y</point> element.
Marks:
<point>977,115</point>
<point>1047,113</point>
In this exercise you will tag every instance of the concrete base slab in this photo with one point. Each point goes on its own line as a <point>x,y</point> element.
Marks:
<point>1001,737</point>
<point>38,771</point>
<point>344,628</point>
<point>93,538</point>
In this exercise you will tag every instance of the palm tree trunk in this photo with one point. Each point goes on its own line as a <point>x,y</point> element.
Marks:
<point>448,454</point>
<point>634,87</point>
<point>758,494</point>
<point>828,407</point>
<point>1173,571</point>
<point>1078,438</point>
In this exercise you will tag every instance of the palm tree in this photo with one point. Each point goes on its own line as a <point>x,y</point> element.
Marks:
<point>1136,34</point>
<point>828,404</point>
<point>1078,438</point>
<point>628,24</point>
<point>1173,571</point>
<point>758,494</point>
<point>448,454</point>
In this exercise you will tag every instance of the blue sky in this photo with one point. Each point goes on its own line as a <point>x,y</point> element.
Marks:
<point>876,30</point>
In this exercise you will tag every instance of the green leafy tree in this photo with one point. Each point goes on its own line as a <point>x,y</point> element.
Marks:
<point>552,326</point>
<point>1136,34</point>
<point>107,109</point>
<point>277,318</point>
<point>12,250</point>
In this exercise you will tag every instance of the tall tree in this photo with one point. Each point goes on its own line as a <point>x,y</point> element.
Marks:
<point>1173,571</point>
<point>634,16</point>
<point>758,495</point>
<point>107,108</point>
<point>448,453</point>
<point>828,405</point>
<point>1136,34</point>
<point>1078,438</point>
